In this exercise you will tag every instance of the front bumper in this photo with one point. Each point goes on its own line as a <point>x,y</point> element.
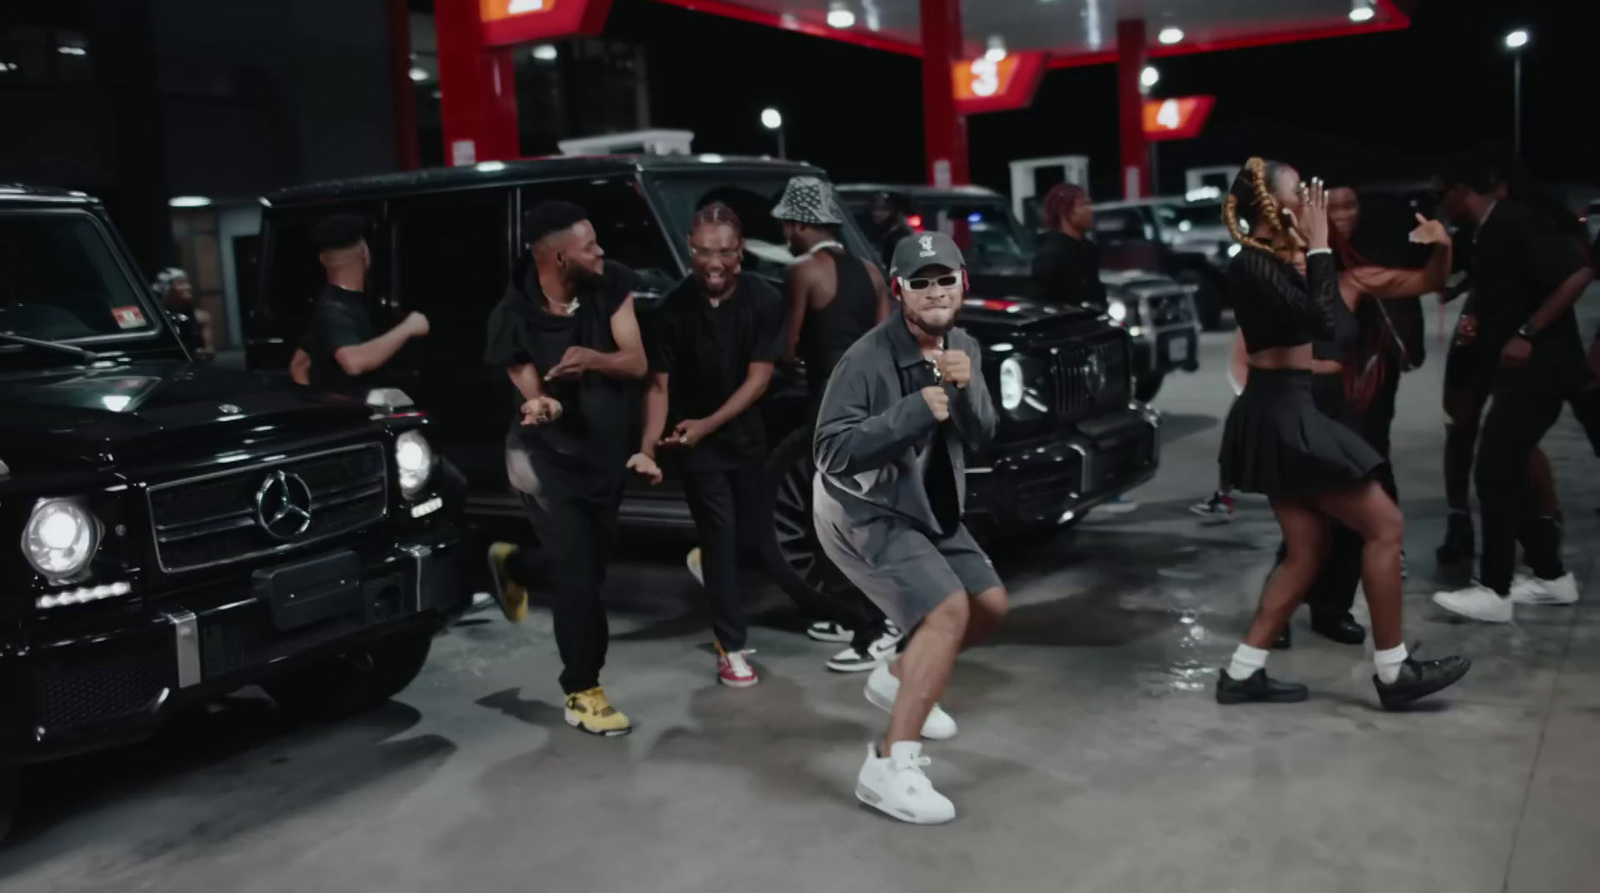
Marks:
<point>1054,480</point>
<point>100,676</point>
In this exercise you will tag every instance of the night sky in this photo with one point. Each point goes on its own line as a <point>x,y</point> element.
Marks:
<point>1361,109</point>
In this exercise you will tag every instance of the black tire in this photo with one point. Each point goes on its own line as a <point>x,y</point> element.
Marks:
<point>355,681</point>
<point>789,540</point>
<point>1148,385</point>
<point>1207,297</point>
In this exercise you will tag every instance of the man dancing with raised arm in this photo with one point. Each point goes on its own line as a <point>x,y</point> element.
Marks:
<point>902,407</point>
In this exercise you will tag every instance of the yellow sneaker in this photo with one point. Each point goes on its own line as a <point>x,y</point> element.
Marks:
<point>512,598</point>
<point>592,712</point>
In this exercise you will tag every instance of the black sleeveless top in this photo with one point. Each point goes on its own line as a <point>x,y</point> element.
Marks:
<point>827,333</point>
<point>1277,307</point>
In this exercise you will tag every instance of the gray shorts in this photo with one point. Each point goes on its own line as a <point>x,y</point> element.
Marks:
<point>902,570</point>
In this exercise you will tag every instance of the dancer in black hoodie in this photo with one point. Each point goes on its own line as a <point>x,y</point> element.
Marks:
<point>566,334</point>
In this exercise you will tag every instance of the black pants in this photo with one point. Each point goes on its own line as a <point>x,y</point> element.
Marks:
<point>1517,420</point>
<point>575,537</point>
<point>727,510</point>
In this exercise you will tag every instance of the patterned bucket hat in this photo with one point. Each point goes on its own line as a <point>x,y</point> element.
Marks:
<point>808,200</point>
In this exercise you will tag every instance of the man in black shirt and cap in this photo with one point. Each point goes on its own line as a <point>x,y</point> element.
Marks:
<point>566,334</point>
<point>339,351</point>
<point>1527,275</point>
<point>1066,269</point>
<point>712,348</point>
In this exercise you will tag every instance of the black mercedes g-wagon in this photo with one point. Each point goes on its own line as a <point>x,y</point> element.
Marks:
<point>171,531</point>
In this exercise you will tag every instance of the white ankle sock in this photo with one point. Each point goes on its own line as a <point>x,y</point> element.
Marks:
<point>1246,660</point>
<point>1388,663</point>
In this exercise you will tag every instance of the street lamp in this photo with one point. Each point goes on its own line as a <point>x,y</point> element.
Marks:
<point>1515,41</point>
<point>772,119</point>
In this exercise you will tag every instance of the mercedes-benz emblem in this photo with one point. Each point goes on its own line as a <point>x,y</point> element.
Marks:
<point>283,505</point>
<point>228,409</point>
<point>1094,375</point>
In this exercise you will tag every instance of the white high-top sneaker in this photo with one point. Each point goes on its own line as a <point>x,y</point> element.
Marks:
<point>882,688</point>
<point>896,785</point>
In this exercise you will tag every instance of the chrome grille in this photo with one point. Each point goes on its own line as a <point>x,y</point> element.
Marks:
<point>212,519</point>
<point>1092,375</point>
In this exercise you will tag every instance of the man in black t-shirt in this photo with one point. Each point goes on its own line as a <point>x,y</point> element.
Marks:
<point>1066,268</point>
<point>1527,274</point>
<point>339,352</point>
<point>712,350</point>
<point>566,334</point>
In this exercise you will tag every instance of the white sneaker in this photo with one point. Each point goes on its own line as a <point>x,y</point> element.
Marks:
<point>896,785</point>
<point>853,661</point>
<point>882,688</point>
<point>828,631</point>
<point>1527,589</point>
<point>1478,602</point>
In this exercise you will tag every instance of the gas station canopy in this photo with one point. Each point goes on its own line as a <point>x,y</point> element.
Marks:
<point>1073,32</point>
<point>977,55</point>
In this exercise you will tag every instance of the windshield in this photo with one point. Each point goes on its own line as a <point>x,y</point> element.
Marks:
<point>1186,217</point>
<point>60,280</point>
<point>752,196</point>
<point>982,226</point>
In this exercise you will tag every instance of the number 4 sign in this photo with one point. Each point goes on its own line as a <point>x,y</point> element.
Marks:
<point>1177,118</point>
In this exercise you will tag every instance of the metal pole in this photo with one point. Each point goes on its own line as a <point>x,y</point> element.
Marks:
<point>1516,104</point>
<point>783,149</point>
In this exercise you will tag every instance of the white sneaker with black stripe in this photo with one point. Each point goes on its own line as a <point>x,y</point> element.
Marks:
<point>852,661</point>
<point>828,631</point>
<point>1527,589</point>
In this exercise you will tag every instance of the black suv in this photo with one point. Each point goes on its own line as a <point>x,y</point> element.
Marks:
<point>172,530</point>
<point>444,242</point>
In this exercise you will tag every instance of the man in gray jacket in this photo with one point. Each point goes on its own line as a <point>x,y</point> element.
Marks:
<point>903,406</point>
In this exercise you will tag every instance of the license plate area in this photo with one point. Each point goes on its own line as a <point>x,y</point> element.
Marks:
<point>1177,350</point>
<point>310,591</point>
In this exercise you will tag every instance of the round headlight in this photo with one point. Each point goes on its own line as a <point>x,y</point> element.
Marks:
<point>1117,310</point>
<point>414,458</point>
<point>1010,383</point>
<point>60,538</point>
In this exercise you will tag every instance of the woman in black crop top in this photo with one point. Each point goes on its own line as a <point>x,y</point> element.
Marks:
<point>1278,443</point>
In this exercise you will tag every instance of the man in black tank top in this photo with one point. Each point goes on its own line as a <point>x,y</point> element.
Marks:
<point>834,298</point>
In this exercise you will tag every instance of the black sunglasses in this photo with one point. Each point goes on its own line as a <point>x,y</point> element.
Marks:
<point>922,283</point>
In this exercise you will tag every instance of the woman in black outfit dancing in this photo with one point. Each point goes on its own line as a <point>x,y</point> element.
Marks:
<point>1277,443</point>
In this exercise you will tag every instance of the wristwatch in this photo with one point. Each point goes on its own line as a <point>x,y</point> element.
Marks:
<point>1526,331</point>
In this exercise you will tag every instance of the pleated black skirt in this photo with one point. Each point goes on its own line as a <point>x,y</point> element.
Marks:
<point>1277,442</point>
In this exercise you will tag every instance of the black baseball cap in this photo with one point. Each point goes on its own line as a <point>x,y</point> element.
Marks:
<point>921,250</point>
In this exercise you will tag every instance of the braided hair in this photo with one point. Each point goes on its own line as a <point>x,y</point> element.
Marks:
<point>717,214</point>
<point>1251,194</point>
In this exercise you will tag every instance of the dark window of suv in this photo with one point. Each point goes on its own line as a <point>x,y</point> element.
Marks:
<point>452,256</point>
<point>627,231</point>
<point>1114,226</point>
<point>60,280</point>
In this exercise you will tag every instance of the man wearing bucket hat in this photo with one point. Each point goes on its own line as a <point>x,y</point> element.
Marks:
<point>905,404</point>
<point>834,299</point>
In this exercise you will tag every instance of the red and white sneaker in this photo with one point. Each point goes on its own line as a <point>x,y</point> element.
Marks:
<point>734,670</point>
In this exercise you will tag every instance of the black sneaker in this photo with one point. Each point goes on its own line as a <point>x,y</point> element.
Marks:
<point>1420,678</point>
<point>1341,628</point>
<point>1460,540</point>
<point>1257,688</point>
